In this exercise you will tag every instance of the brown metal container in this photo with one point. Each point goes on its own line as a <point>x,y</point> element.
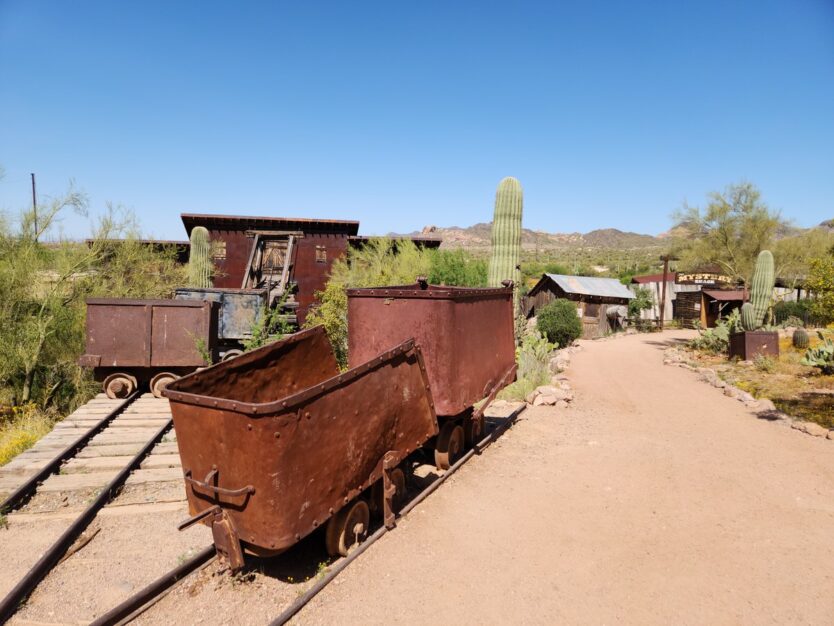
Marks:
<point>279,440</point>
<point>142,336</point>
<point>466,336</point>
<point>752,343</point>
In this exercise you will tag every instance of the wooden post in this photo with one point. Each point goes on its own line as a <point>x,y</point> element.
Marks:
<point>665,258</point>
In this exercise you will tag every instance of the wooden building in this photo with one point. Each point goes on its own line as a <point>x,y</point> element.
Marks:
<point>592,297</point>
<point>306,247</point>
<point>296,254</point>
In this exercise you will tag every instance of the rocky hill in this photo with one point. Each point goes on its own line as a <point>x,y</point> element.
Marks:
<point>478,237</point>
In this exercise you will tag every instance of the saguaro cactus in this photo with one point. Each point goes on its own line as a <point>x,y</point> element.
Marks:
<point>506,236</point>
<point>761,289</point>
<point>748,316</point>
<point>199,259</point>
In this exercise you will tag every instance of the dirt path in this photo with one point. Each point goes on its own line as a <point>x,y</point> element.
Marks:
<point>653,499</point>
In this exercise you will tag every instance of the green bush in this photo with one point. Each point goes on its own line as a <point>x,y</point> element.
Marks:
<point>457,267</point>
<point>533,358</point>
<point>559,322</point>
<point>643,300</point>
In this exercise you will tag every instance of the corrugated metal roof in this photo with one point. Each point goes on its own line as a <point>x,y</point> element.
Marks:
<point>591,286</point>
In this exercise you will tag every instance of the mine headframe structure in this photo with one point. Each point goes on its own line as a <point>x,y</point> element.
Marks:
<point>270,265</point>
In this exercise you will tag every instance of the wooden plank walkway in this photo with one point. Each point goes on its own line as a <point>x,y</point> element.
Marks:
<point>97,463</point>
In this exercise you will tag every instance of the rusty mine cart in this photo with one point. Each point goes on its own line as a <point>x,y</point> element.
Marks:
<point>277,443</point>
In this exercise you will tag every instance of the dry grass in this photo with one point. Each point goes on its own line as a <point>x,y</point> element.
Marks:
<point>21,429</point>
<point>785,380</point>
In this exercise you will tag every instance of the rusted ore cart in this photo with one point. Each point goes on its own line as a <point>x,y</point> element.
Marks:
<point>133,343</point>
<point>467,340</point>
<point>277,443</point>
<point>240,310</point>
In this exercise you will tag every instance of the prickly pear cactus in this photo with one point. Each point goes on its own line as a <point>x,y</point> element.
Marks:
<point>800,339</point>
<point>506,236</point>
<point>748,317</point>
<point>761,289</point>
<point>199,259</point>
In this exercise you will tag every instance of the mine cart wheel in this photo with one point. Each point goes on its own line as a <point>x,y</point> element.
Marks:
<point>160,381</point>
<point>398,478</point>
<point>230,354</point>
<point>119,385</point>
<point>449,445</point>
<point>348,528</point>
<point>475,430</point>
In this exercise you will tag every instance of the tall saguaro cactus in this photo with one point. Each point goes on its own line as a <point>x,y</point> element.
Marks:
<point>506,236</point>
<point>761,289</point>
<point>199,259</point>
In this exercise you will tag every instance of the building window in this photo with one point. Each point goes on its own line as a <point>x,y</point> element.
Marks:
<point>218,250</point>
<point>321,254</point>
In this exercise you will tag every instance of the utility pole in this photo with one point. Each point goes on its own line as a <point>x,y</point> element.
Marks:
<point>665,258</point>
<point>35,206</point>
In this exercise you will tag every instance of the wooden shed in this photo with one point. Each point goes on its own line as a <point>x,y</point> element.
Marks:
<point>591,295</point>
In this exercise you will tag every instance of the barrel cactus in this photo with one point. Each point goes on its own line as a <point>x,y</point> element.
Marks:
<point>199,259</point>
<point>800,339</point>
<point>748,317</point>
<point>506,236</point>
<point>761,289</point>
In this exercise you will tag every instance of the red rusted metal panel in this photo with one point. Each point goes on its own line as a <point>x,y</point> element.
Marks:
<point>752,343</point>
<point>466,335</point>
<point>279,440</point>
<point>129,334</point>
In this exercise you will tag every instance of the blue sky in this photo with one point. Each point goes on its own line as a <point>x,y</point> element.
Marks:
<point>405,114</point>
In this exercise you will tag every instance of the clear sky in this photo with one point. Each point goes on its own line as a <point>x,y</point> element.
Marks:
<point>405,114</point>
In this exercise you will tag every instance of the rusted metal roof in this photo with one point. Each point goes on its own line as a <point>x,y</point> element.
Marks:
<point>591,286</point>
<point>241,222</point>
<point>726,295</point>
<point>653,278</point>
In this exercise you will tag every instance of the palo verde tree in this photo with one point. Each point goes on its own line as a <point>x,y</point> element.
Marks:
<point>730,232</point>
<point>44,281</point>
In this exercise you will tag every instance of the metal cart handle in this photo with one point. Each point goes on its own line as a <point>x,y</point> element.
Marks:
<point>247,490</point>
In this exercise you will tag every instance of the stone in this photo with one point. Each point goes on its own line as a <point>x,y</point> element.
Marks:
<point>561,404</point>
<point>766,404</point>
<point>718,383</point>
<point>557,392</point>
<point>831,434</point>
<point>811,428</point>
<point>545,399</point>
<point>745,397</point>
<point>730,391</point>
<point>531,397</point>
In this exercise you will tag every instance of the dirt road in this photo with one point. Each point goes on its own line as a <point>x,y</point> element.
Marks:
<point>653,499</point>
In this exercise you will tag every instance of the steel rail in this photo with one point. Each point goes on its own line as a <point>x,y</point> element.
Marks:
<point>154,592</point>
<point>50,558</point>
<point>302,600</point>
<point>137,604</point>
<point>22,493</point>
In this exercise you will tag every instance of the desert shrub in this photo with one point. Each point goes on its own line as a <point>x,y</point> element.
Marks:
<point>764,363</point>
<point>712,340</point>
<point>21,429</point>
<point>643,300</point>
<point>559,322</point>
<point>457,267</point>
<point>792,322</point>
<point>533,358</point>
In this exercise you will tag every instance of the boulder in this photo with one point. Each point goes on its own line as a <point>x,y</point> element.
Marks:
<point>766,404</point>
<point>545,399</point>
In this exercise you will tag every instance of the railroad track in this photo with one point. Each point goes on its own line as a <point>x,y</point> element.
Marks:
<point>94,452</point>
<point>140,602</point>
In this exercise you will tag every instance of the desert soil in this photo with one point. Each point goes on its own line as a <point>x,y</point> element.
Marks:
<point>654,499</point>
